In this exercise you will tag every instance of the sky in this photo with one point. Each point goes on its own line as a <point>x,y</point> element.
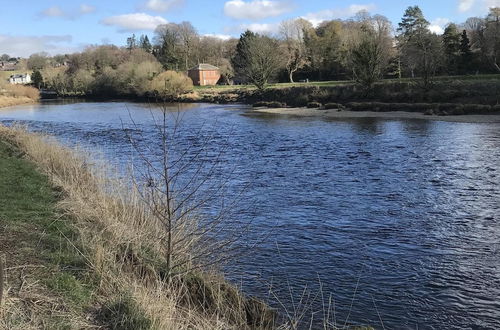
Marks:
<point>67,26</point>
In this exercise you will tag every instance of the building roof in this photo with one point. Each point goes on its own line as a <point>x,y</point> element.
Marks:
<point>204,67</point>
<point>19,76</point>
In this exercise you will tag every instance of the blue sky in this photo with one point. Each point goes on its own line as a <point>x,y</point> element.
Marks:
<point>61,26</point>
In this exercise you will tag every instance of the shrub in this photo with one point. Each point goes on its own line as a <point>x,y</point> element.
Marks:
<point>171,84</point>
<point>495,108</point>
<point>314,105</point>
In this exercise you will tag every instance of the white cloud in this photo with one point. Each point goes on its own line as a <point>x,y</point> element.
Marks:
<point>86,9</point>
<point>492,3</point>
<point>256,9</point>
<point>261,28</point>
<point>23,46</point>
<point>437,26</point>
<point>56,11</point>
<point>218,36</point>
<point>436,29</point>
<point>329,14</point>
<point>161,6</point>
<point>465,5</point>
<point>479,7</point>
<point>134,22</point>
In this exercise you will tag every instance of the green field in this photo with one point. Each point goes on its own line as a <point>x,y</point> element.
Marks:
<point>343,82</point>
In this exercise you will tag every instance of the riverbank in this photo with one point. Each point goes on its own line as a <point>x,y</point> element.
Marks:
<point>82,251</point>
<point>9,101</point>
<point>345,114</point>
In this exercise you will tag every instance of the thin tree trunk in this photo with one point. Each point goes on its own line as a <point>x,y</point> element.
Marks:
<point>1,280</point>
<point>495,64</point>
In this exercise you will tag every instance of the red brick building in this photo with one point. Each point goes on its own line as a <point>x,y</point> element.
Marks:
<point>204,75</point>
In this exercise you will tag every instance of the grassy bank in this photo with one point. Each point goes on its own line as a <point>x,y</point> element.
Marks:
<point>387,95</point>
<point>11,95</point>
<point>82,251</point>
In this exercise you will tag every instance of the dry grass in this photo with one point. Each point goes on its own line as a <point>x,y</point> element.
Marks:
<point>8,101</point>
<point>17,94</point>
<point>121,243</point>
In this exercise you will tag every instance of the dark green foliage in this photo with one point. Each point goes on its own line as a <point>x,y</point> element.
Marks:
<point>466,57</point>
<point>37,79</point>
<point>145,44</point>
<point>367,59</point>
<point>123,314</point>
<point>412,23</point>
<point>257,59</point>
<point>166,51</point>
<point>452,46</point>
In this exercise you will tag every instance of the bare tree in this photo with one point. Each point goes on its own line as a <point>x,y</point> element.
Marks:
<point>292,33</point>
<point>492,38</point>
<point>188,38</point>
<point>179,181</point>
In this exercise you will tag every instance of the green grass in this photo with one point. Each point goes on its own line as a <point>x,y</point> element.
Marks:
<point>343,82</point>
<point>35,233</point>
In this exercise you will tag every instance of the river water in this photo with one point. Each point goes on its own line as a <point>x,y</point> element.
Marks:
<point>397,220</point>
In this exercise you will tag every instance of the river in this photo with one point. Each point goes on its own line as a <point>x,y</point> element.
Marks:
<point>397,220</point>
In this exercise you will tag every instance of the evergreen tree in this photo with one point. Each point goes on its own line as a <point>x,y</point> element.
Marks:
<point>466,64</point>
<point>37,79</point>
<point>413,23</point>
<point>257,59</point>
<point>145,44</point>
<point>367,59</point>
<point>420,49</point>
<point>131,42</point>
<point>451,43</point>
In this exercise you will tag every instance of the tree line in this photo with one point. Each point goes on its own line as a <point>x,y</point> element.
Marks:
<point>364,48</point>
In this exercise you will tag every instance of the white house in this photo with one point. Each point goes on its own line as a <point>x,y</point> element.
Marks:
<point>20,79</point>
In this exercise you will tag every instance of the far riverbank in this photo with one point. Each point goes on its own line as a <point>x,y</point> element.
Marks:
<point>335,114</point>
<point>9,101</point>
